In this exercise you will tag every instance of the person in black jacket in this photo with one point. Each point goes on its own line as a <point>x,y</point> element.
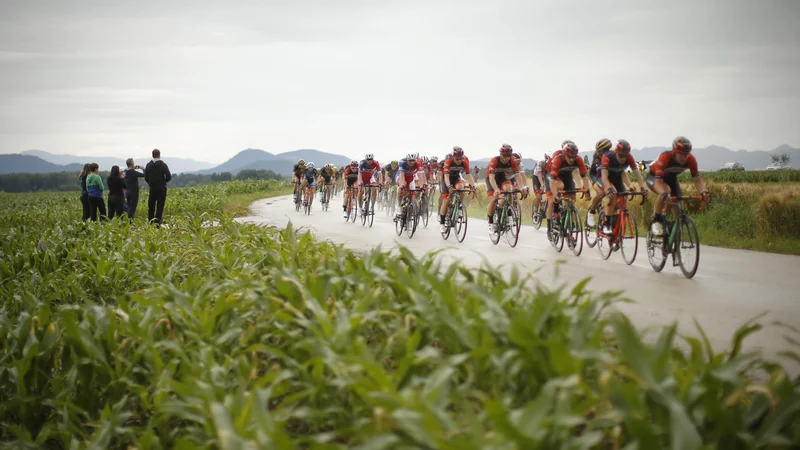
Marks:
<point>157,175</point>
<point>116,198</point>
<point>132,185</point>
<point>84,193</point>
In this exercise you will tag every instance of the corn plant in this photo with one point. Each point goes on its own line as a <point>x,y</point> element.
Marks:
<point>234,336</point>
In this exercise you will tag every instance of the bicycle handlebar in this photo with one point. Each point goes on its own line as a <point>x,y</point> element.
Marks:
<point>629,194</point>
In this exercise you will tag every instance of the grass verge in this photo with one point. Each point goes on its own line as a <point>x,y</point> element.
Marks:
<point>239,204</point>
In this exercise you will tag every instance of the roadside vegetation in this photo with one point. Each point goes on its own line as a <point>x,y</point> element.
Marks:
<point>212,333</point>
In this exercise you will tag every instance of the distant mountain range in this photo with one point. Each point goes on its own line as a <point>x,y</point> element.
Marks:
<point>708,158</point>
<point>37,161</point>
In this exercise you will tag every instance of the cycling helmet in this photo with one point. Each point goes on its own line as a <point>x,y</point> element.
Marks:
<point>448,156</point>
<point>311,165</point>
<point>456,148</point>
<point>368,156</point>
<point>506,150</point>
<point>301,161</point>
<point>682,145</point>
<point>517,156</point>
<point>411,156</point>
<point>603,145</point>
<point>571,149</point>
<point>395,162</point>
<point>353,163</point>
<point>623,146</point>
<point>435,158</point>
<point>566,142</point>
<point>458,152</point>
<point>425,159</point>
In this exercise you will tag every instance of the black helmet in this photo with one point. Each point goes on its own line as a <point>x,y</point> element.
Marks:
<point>565,143</point>
<point>623,146</point>
<point>571,149</point>
<point>506,150</point>
<point>681,144</point>
<point>603,145</point>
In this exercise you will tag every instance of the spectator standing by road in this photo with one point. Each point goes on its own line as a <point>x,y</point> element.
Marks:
<point>94,186</point>
<point>132,185</point>
<point>84,193</point>
<point>157,175</point>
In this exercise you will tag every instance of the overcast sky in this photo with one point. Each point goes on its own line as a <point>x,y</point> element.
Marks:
<point>205,79</point>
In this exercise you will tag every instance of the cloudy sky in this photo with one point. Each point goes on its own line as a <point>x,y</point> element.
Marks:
<point>205,79</point>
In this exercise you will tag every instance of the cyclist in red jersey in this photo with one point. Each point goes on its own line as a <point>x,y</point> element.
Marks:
<point>369,173</point>
<point>612,175</point>
<point>561,169</point>
<point>452,172</point>
<point>500,171</point>
<point>663,178</point>
<point>350,176</point>
<point>409,173</point>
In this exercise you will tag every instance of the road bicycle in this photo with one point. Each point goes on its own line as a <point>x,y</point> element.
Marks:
<point>507,219</point>
<point>350,195</point>
<point>456,216</point>
<point>391,199</point>
<point>566,224</point>
<point>368,205</point>
<point>537,216</point>
<point>409,217</point>
<point>299,193</point>
<point>624,232</point>
<point>309,197</point>
<point>681,241</point>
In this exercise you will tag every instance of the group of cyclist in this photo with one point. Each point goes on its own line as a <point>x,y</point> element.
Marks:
<point>553,175</point>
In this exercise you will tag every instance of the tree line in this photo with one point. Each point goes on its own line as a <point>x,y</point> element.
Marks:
<point>68,181</point>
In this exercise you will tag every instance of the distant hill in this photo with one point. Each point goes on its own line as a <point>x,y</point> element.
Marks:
<point>281,163</point>
<point>708,158</point>
<point>17,163</point>
<point>176,165</point>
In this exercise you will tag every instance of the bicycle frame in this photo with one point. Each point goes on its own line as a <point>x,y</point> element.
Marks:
<point>621,205</point>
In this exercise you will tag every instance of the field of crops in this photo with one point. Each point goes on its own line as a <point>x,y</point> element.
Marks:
<point>210,333</point>
<point>750,176</point>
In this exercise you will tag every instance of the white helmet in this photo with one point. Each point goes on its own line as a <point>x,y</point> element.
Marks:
<point>368,156</point>
<point>411,156</point>
<point>311,165</point>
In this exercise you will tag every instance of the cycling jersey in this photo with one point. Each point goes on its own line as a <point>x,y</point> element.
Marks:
<point>431,170</point>
<point>550,161</point>
<point>389,173</point>
<point>537,169</point>
<point>408,171</point>
<point>327,174</point>
<point>667,166</point>
<point>616,169</point>
<point>311,174</point>
<point>597,159</point>
<point>560,168</point>
<point>502,172</point>
<point>452,171</point>
<point>368,170</point>
<point>351,175</point>
<point>298,170</point>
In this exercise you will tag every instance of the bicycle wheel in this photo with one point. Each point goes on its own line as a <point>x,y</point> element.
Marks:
<point>688,247</point>
<point>603,242</point>
<point>655,248</point>
<point>423,213</point>
<point>575,232</point>
<point>309,199</point>
<point>537,216</point>
<point>297,200</point>
<point>365,208</point>
<point>371,215</point>
<point>449,221</point>
<point>354,208</point>
<point>400,222</point>
<point>629,237</point>
<point>555,234</point>
<point>590,231</point>
<point>494,235</point>
<point>461,222</point>
<point>513,222</point>
<point>413,219</point>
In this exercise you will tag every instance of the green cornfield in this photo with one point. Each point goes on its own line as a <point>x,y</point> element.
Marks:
<point>751,176</point>
<point>209,333</point>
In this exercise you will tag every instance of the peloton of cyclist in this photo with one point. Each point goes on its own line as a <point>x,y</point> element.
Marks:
<point>326,177</point>
<point>452,175</point>
<point>370,173</point>
<point>310,179</point>
<point>663,178</point>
